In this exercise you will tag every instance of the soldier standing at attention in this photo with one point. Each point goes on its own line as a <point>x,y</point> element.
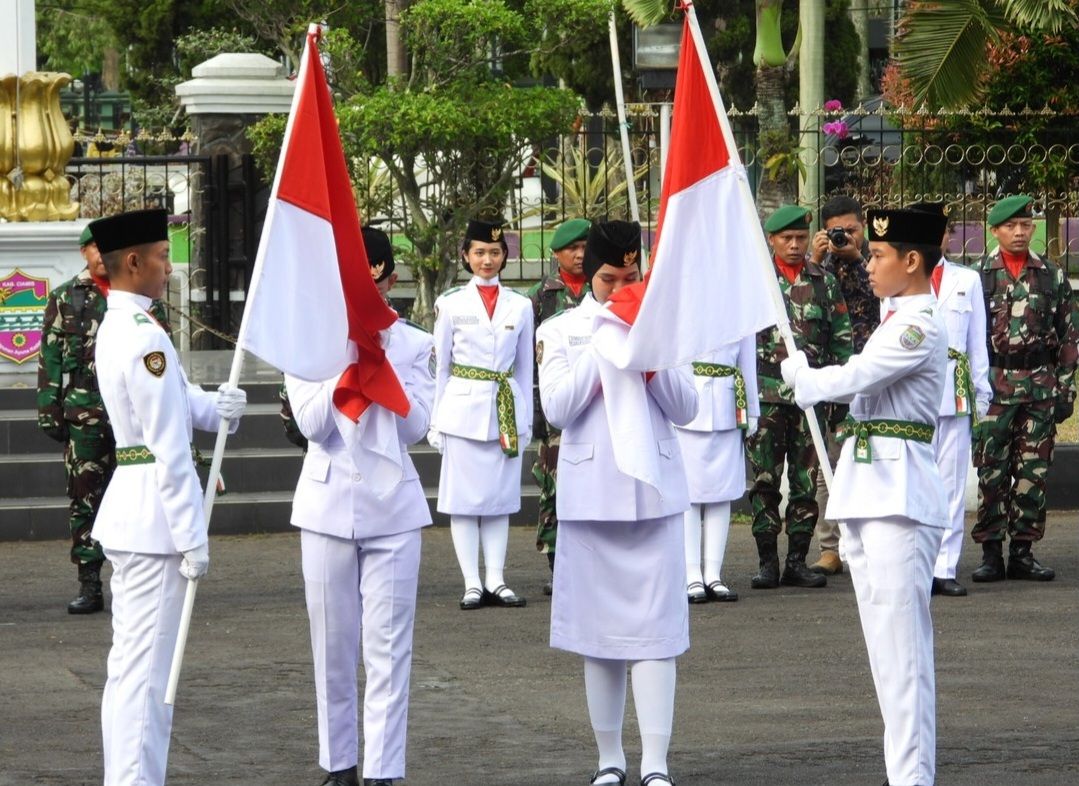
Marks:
<point>151,524</point>
<point>841,249</point>
<point>1033,330</point>
<point>70,411</point>
<point>552,295</point>
<point>821,327</point>
<point>619,581</point>
<point>888,492</point>
<point>482,417</point>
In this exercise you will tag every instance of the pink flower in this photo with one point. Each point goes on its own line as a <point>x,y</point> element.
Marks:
<point>833,106</point>
<point>837,129</point>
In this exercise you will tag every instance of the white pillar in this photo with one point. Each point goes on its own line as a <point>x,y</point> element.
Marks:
<point>18,47</point>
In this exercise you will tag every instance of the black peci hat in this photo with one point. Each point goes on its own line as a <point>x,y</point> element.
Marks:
<point>905,226</point>
<point>130,229</point>
<point>379,253</point>
<point>616,243</point>
<point>484,232</point>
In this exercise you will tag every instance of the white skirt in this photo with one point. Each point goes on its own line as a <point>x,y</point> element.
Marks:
<point>715,464</point>
<point>620,589</point>
<point>478,479</point>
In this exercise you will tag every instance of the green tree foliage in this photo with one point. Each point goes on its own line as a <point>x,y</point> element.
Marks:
<point>71,38</point>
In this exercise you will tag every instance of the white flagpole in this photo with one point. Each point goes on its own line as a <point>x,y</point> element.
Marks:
<point>763,255</point>
<point>623,127</point>
<point>234,379</point>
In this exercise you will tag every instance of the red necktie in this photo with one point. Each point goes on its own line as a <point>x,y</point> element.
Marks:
<point>574,282</point>
<point>938,272</point>
<point>888,316</point>
<point>489,293</point>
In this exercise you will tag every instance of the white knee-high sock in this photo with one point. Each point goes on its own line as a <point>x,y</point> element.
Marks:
<point>605,690</point>
<point>495,537</point>
<point>717,525</point>
<point>693,543</point>
<point>465,531</point>
<point>653,694</point>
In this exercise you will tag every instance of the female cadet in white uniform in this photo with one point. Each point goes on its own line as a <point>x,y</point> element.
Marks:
<point>715,460</point>
<point>967,394</point>
<point>360,549</point>
<point>482,418</point>
<point>619,574</point>
<point>888,494</point>
<point>151,522</point>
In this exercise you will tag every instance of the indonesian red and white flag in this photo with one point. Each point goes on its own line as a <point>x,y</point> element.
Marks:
<point>313,309</point>
<point>705,287</point>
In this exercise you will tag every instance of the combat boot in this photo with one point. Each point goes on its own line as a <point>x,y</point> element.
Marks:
<point>992,567</point>
<point>768,551</point>
<point>90,598</point>
<point>1023,567</point>
<point>796,573</point>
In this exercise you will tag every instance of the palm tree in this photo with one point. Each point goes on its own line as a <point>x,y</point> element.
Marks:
<point>941,44</point>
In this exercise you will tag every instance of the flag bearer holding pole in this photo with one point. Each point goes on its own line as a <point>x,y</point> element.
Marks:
<point>888,494</point>
<point>151,523</point>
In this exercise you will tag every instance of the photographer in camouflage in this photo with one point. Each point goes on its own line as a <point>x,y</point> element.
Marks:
<point>71,412</point>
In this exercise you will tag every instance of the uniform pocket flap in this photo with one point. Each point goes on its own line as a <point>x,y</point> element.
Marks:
<point>960,305</point>
<point>667,447</point>
<point>575,454</point>
<point>316,466</point>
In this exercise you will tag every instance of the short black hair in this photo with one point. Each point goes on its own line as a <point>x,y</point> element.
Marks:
<point>113,260</point>
<point>840,206</point>
<point>930,254</point>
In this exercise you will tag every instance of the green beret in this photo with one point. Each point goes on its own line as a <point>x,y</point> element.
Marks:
<point>570,232</point>
<point>86,237</point>
<point>1010,207</point>
<point>788,217</point>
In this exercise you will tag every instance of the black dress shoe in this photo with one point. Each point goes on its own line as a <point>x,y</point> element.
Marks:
<point>696,593</point>
<point>378,782</point>
<point>341,778</point>
<point>719,592</point>
<point>992,567</point>
<point>472,599</point>
<point>658,778</point>
<point>1023,567</point>
<point>617,772</point>
<point>503,596</point>
<point>548,587</point>
<point>949,587</point>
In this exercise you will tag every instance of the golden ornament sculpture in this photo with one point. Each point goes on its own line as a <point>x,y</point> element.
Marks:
<point>35,146</point>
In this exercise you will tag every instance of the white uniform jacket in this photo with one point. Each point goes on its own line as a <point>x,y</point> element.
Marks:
<point>590,486</point>
<point>465,335</point>
<point>962,305</point>
<point>155,507</point>
<point>898,375</point>
<point>332,497</point>
<point>716,411</point>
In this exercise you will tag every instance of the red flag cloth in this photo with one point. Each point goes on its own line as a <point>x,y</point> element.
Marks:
<point>489,293</point>
<point>314,178</point>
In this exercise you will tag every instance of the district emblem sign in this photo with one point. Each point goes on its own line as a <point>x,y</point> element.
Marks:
<point>22,307</point>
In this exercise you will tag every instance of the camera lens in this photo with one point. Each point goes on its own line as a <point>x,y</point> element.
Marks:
<point>838,237</point>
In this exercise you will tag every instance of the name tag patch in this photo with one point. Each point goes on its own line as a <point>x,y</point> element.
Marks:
<point>576,341</point>
<point>466,319</point>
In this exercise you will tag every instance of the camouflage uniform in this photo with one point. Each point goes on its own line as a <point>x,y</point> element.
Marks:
<point>1033,327</point>
<point>822,329</point>
<point>863,307</point>
<point>288,420</point>
<point>70,410</point>
<point>549,297</point>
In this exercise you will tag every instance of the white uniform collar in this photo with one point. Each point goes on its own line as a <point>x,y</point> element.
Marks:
<point>479,282</point>
<point>589,305</point>
<point>118,298</point>
<point>913,301</point>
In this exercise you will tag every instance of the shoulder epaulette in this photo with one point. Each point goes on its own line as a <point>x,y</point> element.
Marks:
<point>142,319</point>
<point>451,290</point>
<point>410,323</point>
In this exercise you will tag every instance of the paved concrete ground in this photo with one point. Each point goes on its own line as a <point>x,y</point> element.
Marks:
<point>775,690</point>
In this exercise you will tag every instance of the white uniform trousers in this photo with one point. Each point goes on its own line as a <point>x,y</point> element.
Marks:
<point>363,588</point>
<point>951,444</point>
<point>891,566</point>
<point>136,724</point>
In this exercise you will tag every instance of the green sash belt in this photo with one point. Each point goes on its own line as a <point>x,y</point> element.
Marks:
<point>507,414</point>
<point>140,454</point>
<point>862,430</point>
<point>964,385</point>
<point>741,408</point>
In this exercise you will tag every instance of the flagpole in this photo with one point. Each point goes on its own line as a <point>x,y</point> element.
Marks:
<point>623,126</point>
<point>763,255</point>
<point>233,381</point>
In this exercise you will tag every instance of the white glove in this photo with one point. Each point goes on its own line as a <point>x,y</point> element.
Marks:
<point>434,439</point>
<point>231,402</point>
<point>982,408</point>
<point>751,426</point>
<point>792,365</point>
<point>196,562</point>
